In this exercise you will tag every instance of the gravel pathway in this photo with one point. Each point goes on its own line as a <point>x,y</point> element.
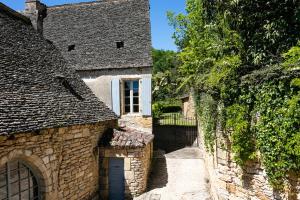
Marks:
<point>180,175</point>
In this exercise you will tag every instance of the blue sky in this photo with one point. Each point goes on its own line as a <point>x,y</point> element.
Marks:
<point>161,31</point>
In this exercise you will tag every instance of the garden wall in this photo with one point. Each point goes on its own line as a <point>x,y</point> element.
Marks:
<point>231,182</point>
<point>228,181</point>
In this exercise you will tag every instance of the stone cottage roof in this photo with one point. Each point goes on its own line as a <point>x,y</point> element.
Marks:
<point>37,89</point>
<point>126,138</point>
<point>87,33</point>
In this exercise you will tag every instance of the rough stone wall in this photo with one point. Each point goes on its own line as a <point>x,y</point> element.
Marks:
<point>231,182</point>
<point>136,169</point>
<point>65,160</point>
<point>189,107</point>
<point>137,122</point>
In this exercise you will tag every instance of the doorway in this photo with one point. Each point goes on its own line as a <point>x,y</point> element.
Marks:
<point>116,179</point>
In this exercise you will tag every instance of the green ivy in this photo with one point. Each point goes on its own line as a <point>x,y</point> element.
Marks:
<point>266,118</point>
<point>262,115</point>
<point>207,112</point>
<point>231,53</point>
<point>242,138</point>
<point>277,129</point>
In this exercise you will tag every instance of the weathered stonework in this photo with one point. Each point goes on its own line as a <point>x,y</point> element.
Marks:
<point>136,169</point>
<point>137,122</point>
<point>231,182</point>
<point>188,106</point>
<point>65,160</point>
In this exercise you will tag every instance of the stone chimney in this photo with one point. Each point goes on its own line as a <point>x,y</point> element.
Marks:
<point>36,11</point>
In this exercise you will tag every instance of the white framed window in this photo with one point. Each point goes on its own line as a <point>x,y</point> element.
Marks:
<point>131,96</point>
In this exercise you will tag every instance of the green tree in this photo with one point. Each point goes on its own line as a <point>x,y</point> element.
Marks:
<point>165,64</point>
<point>233,54</point>
<point>267,29</point>
<point>210,49</point>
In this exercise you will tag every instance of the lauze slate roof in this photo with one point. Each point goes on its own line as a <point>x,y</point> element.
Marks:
<point>38,90</point>
<point>95,27</point>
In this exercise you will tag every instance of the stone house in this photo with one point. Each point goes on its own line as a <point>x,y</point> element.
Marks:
<point>51,123</point>
<point>108,43</point>
<point>188,106</point>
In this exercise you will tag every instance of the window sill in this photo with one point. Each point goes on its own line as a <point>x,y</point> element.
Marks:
<point>132,114</point>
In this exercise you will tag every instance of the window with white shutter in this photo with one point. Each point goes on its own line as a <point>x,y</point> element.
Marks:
<point>131,96</point>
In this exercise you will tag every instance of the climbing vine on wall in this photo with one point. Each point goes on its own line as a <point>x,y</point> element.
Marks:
<point>277,130</point>
<point>266,119</point>
<point>251,73</point>
<point>207,113</point>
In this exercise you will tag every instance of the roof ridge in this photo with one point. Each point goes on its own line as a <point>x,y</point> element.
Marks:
<point>14,13</point>
<point>83,3</point>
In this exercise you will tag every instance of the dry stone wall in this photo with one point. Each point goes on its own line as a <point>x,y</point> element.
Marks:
<point>65,160</point>
<point>231,182</point>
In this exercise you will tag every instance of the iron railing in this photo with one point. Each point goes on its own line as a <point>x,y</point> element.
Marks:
<point>175,119</point>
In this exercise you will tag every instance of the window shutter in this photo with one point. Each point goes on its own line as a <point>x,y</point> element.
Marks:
<point>115,93</point>
<point>146,96</point>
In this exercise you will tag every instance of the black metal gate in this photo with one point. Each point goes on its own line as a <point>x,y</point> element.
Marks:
<point>174,131</point>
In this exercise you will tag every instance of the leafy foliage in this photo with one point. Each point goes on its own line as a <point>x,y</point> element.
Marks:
<point>208,113</point>
<point>267,29</point>
<point>292,58</point>
<point>278,129</point>
<point>238,123</point>
<point>166,106</point>
<point>165,78</point>
<point>244,55</point>
<point>210,50</point>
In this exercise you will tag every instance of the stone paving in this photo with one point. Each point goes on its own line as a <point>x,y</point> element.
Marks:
<point>179,175</point>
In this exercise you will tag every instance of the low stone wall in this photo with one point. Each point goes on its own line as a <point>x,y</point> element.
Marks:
<point>137,122</point>
<point>65,160</point>
<point>231,182</point>
<point>136,169</point>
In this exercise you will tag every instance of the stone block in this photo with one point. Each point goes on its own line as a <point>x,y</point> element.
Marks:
<point>127,164</point>
<point>28,152</point>
<point>78,135</point>
<point>86,132</point>
<point>231,188</point>
<point>129,175</point>
<point>61,131</point>
<point>69,136</point>
<point>261,196</point>
<point>46,160</point>
<point>49,151</point>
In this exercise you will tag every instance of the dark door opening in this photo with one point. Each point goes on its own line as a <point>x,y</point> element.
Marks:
<point>116,179</point>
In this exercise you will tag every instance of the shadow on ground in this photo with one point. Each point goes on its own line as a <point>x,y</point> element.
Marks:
<point>159,173</point>
<point>179,175</point>
<point>185,153</point>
